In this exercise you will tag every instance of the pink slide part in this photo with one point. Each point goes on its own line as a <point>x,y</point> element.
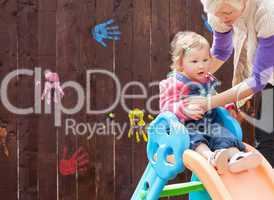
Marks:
<point>253,184</point>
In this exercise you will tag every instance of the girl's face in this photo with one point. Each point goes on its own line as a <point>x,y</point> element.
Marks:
<point>195,64</point>
<point>228,14</point>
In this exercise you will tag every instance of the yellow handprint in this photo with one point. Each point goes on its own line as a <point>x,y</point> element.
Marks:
<point>137,124</point>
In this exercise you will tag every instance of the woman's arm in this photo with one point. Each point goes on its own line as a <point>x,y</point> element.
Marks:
<point>236,93</point>
<point>215,65</point>
<point>263,68</point>
<point>222,49</point>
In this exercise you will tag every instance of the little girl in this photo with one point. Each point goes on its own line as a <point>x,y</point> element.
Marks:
<point>191,63</point>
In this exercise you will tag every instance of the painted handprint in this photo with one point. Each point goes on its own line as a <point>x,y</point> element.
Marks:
<point>78,162</point>
<point>106,31</point>
<point>3,137</point>
<point>52,81</point>
<point>137,124</point>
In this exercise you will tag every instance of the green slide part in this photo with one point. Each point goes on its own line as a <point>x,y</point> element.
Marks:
<point>181,189</point>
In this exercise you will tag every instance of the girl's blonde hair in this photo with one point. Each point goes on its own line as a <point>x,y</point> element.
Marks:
<point>182,43</point>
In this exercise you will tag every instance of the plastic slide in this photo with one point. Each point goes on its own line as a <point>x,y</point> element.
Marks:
<point>168,137</point>
<point>255,184</point>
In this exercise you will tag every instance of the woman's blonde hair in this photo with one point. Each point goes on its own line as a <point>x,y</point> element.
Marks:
<point>182,43</point>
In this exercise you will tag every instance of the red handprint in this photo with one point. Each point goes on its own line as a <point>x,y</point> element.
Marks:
<point>79,159</point>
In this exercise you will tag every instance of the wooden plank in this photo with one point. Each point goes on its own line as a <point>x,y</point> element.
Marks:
<point>178,16</point>
<point>124,52</point>
<point>47,33</point>
<point>27,132</point>
<point>68,27</point>
<point>68,57</point>
<point>86,181</point>
<point>47,158</point>
<point>141,70</point>
<point>195,22</point>
<point>160,46</point>
<point>26,124</point>
<point>47,132</point>
<point>8,12</point>
<point>104,164</point>
<point>8,167</point>
<point>67,138</point>
<point>50,5</point>
<point>87,43</point>
<point>160,59</point>
<point>8,37</point>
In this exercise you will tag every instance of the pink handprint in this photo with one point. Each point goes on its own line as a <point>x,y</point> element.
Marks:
<point>79,159</point>
<point>52,82</point>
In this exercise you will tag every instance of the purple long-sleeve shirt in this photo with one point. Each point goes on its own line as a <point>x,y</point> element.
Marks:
<point>222,47</point>
<point>263,64</point>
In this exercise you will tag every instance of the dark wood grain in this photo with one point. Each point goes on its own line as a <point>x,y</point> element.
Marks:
<point>141,68</point>
<point>47,132</point>
<point>68,65</point>
<point>86,181</point>
<point>8,55</point>
<point>124,52</point>
<point>8,165</point>
<point>105,95</point>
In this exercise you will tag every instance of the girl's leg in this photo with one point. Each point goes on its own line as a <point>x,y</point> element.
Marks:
<point>218,159</point>
<point>239,159</point>
<point>204,150</point>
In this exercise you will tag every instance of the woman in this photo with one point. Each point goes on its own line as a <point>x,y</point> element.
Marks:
<point>247,26</point>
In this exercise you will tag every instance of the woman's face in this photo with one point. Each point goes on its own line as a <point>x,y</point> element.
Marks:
<point>229,14</point>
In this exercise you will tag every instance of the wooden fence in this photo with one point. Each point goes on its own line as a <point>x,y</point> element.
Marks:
<point>55,34</point>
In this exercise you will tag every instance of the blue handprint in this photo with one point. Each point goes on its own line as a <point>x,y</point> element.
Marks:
<point>102,32</point>
<point>206,24</point>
